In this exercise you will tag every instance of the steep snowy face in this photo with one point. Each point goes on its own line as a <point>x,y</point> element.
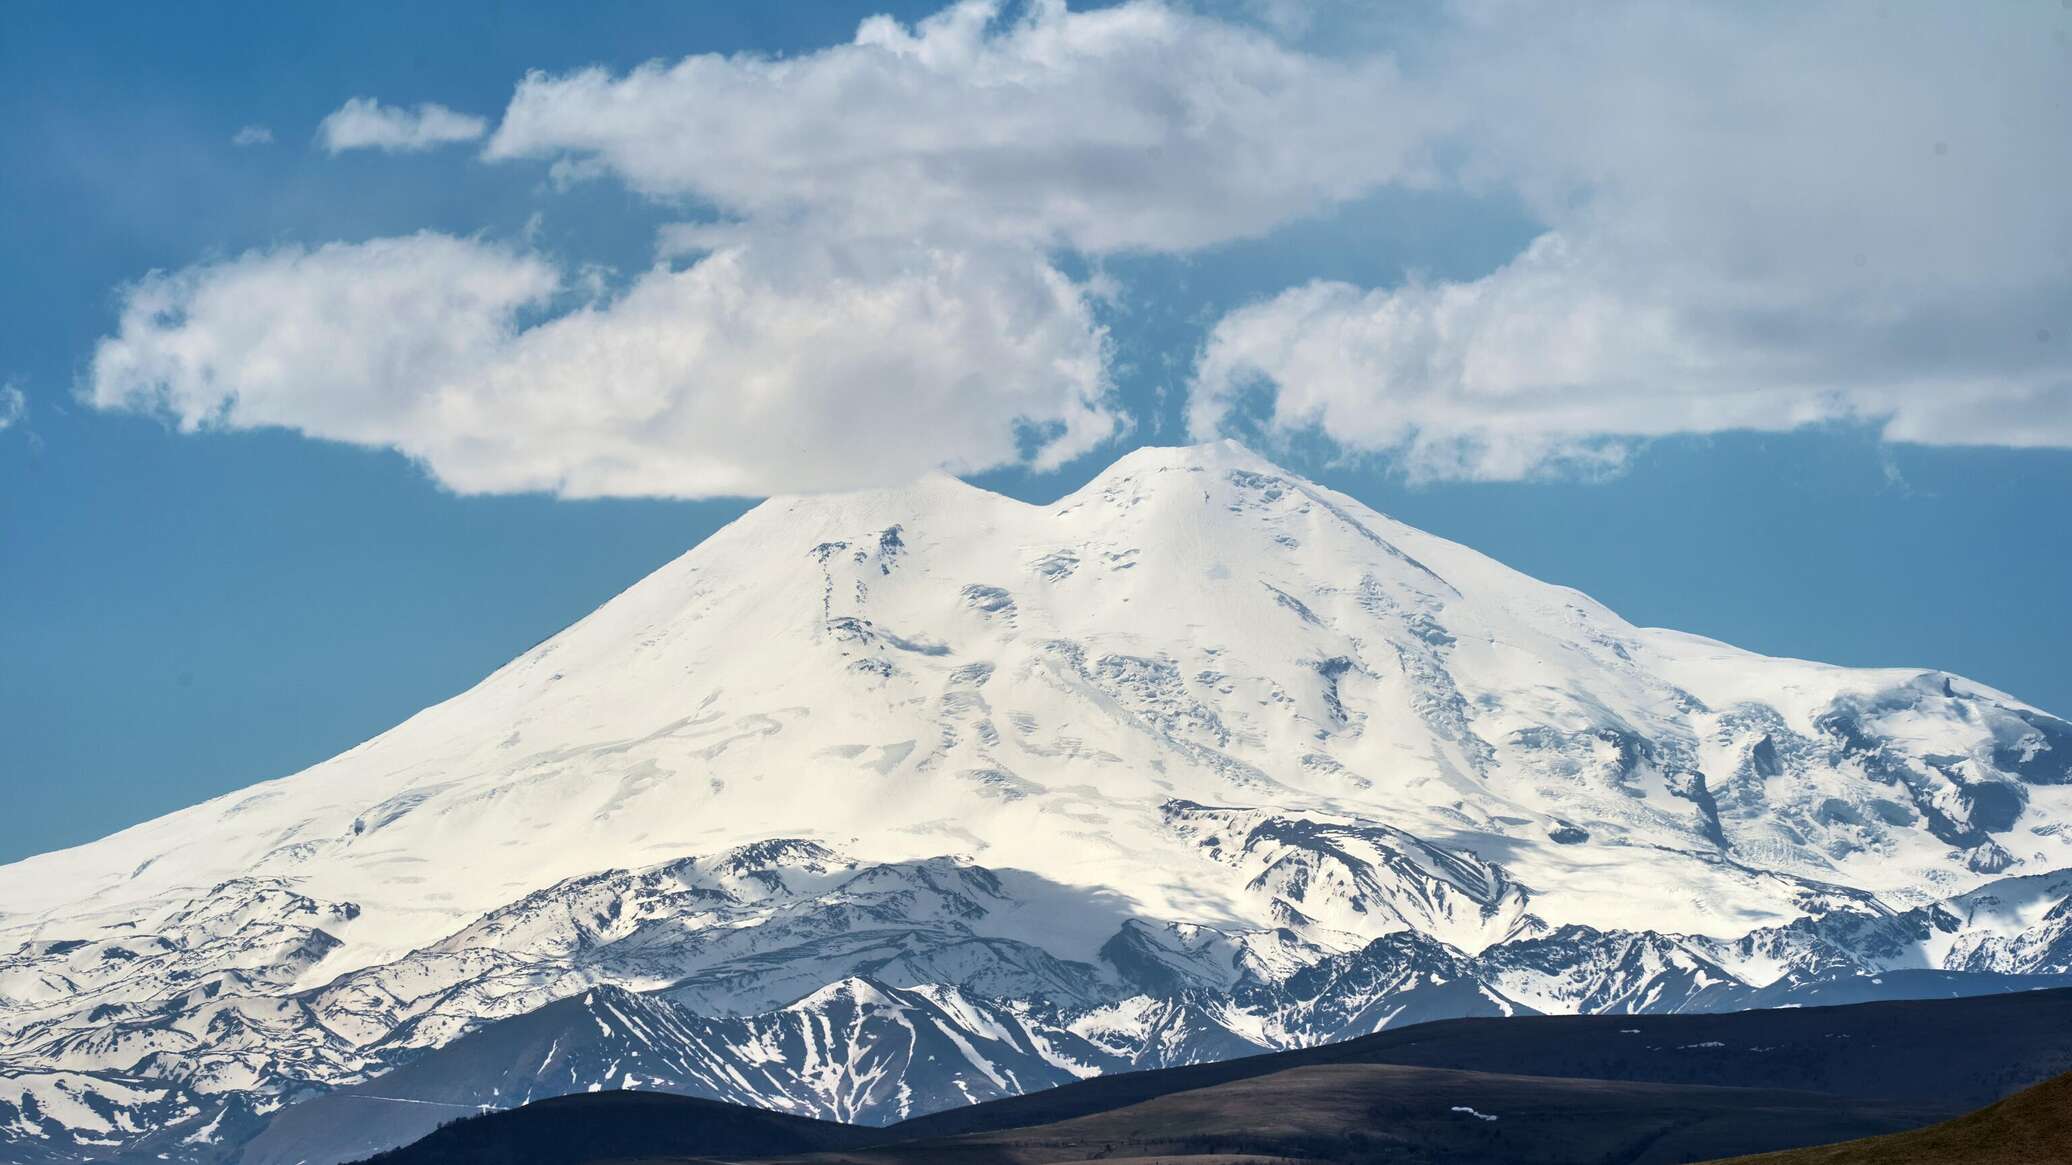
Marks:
<point>1201,758</point>
<point>938,669</point>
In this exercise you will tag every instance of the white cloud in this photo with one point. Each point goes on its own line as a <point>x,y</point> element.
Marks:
<point>1755,217</point>
<point>879,303</point>
<point>14,405</point>
<point>763,367</point>
<point>1760,218</point>
<point>363,123</point>
<point>252,135</point>
<point>1544,365</point>
<point>1133,127</point>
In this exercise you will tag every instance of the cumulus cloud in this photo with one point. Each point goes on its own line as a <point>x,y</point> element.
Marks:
<point>363,123</point>
<point>252,135</point>
<point>14,405</point>
<point>1759,218</point>
<point>764,366</point>
<point>1134,127</point>
<point>1547,364</point>
<point>1755,217</point>
<point>878,300</point>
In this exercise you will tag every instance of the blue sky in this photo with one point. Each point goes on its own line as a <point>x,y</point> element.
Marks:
<point>1778,354</point>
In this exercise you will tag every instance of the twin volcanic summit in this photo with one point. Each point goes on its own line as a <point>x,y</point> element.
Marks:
<point>894,801</point>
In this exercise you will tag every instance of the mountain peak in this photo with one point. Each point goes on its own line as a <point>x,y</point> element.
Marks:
<point>1208,455</point>
<point>1200,720</point>
<point>939,490</point>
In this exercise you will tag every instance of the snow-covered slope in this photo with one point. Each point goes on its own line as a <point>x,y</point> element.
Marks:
<point>1200,731</point>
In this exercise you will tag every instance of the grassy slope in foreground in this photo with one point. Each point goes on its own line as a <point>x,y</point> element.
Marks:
<point>2032,1127</point>
<point>1959,1053</point>
<point>1937,1057</point>
<point>1386,1112</point>
<point>602,1126</point>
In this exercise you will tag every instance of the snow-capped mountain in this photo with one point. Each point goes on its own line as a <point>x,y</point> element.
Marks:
<point>895,800</point>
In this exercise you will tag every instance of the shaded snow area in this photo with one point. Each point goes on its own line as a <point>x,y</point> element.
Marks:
<point>881,803</point>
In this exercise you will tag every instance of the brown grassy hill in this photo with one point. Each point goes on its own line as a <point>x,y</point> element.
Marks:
<point>1582,1090</point>
<point>1391,1113</point>
<point>2032,1127</point>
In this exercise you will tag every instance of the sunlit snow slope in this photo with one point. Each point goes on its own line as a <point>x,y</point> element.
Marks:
<point>1201,719</point>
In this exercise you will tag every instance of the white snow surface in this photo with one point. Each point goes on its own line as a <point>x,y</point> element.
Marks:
<point>938,669</point>
<point>1201,704</point>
